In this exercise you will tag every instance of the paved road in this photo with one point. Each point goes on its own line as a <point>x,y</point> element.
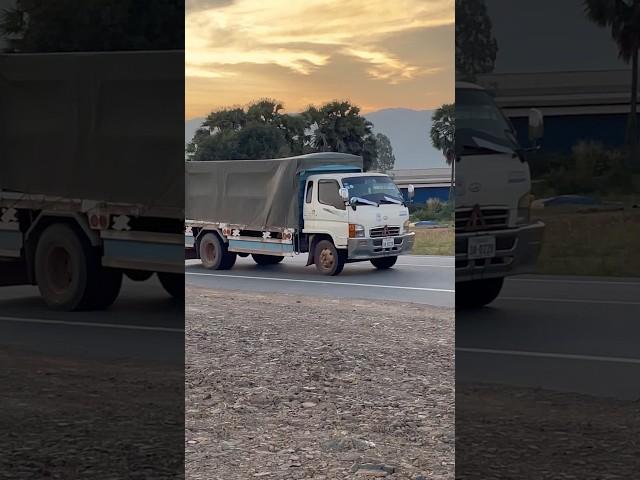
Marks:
<point>420,279</point>
<point>564,333</point>
<point>144,324</point>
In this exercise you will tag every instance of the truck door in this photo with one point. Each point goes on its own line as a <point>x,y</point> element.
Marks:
<point>329,212</point>
<point>308,208</point>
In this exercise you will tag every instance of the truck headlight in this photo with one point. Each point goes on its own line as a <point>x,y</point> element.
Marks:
<point>356,231</point>
<point>406,225</point>
<point>524,210</point>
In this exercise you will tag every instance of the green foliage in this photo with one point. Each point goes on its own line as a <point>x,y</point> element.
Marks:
<point>96,25</point>
<point>622,17</point>
<point>263,131</point>
<point>339,127</point>
<point>434,210</point>
<point>590,169</point>
<point>443,130</point>
<point>385,160</point>
<point>476,48</point>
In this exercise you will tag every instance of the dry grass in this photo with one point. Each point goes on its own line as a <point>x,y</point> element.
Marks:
<point>598,243</point>
<point>434,241</point>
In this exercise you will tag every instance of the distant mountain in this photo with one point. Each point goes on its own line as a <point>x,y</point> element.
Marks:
<point>190,127</point>
<point>407,129</point>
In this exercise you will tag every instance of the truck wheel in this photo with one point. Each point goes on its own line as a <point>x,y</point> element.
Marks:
<point>214,254</point>
<point>69,274</point>
<point>383,263</point>
<point>477,293</point>
<point>328,259</point>
<point>173,283</point>
<point>266,259</point>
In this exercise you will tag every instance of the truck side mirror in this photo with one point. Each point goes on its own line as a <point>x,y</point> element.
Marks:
<point>536,125</point>
<point>411,191</point>
<point>353,202</point>
<point>344,194</point>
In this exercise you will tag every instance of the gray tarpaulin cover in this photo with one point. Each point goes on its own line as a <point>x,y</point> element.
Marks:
<point>255,193</point>
<point>96,126</point>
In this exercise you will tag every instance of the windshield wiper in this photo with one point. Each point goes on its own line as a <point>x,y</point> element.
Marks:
<point>365,201</point>
<point>475,149</point>
<point>391,200</point>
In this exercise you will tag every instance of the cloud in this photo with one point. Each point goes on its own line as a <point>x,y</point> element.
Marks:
<point>244,45</point>
<point>255,31</point>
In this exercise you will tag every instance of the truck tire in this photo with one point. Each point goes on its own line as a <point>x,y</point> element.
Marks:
<point>266,259</point>
<point>478,293</point>
<point>328,259</point>
<point>214,254</point>
<point>68,272</point>
<point>383,263</point>
<point>173,283</point>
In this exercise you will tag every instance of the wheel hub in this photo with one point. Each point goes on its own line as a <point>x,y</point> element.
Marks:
<point>327,259</point>
<point>59,269</point>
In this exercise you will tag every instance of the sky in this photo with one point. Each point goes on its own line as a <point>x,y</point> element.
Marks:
<point>549,36</point>
<point>376,53</point>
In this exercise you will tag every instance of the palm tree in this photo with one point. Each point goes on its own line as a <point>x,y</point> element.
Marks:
<point>623,18</point>
<point>443,129</point>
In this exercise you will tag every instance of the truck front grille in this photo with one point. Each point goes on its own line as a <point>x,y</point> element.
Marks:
<point>489,219</point>
<point>386,231</point>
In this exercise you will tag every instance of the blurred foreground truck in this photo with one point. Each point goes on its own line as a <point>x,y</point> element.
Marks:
<point>495,236</point>
<point>321,204</point>
<point>91,174</point>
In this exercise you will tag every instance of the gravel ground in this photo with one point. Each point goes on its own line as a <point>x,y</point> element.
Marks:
<point>69,419</point>
<point>523,433</point>
<point>288,387</point>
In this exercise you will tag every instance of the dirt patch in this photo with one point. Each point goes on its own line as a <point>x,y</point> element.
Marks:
<point>288,387</point>
<point>77,419</point>
<point>508,432</point>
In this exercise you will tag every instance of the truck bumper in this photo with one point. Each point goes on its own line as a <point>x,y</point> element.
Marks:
<point>367,248</point>
<point>517,251</point>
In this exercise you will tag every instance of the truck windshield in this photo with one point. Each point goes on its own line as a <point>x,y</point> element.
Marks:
<point>377,189</point>
<point>480,124</point>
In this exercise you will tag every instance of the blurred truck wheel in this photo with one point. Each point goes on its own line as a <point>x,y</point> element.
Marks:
<point>173,283</point>
<point>478,293</point>
<point>266,259</point>
<point>328,259</point>
<point>384,262</point>
<point>69,274</point>
<point>214,254</point>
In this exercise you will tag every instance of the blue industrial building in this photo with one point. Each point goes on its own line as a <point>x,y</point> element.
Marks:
<point>592,105</point>
<point>428,183</point>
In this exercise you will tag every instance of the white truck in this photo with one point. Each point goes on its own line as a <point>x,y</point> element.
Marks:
<point>90,189</point>
<point>495,237</point>
<point>322,204</point>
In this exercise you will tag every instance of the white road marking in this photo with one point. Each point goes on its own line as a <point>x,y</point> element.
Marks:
<point>563,356</point>
<point>249,277</point>
<point>568,300</point>
<point>577,282</point>
<point>90,324</point>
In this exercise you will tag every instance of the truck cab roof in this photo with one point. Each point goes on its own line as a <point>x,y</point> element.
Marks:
<point>341,175</point>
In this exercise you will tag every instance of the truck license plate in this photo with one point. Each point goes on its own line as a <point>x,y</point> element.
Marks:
<point>481,247</point>
<point>388,243</point>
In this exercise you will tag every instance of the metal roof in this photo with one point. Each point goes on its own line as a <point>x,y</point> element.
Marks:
<point>422,177</point>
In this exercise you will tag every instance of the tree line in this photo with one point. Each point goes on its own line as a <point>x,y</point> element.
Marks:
<point>263,130</point>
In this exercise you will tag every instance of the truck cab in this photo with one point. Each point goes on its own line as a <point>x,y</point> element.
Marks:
<point>495,237</point>
<point>363,215</point>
